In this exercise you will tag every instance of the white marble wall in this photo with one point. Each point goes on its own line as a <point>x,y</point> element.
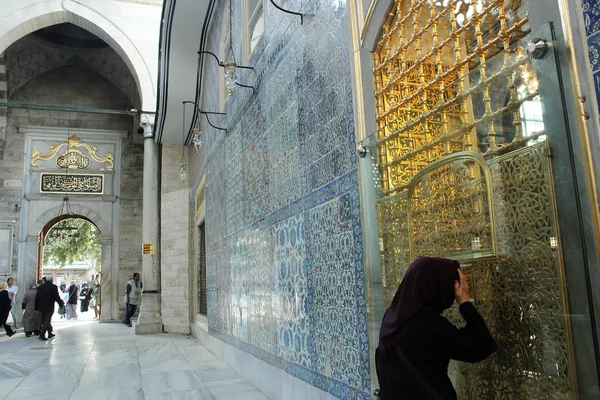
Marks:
<point>175,271</point>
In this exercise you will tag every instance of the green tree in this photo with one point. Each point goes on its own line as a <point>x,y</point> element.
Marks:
<point>71,240</point>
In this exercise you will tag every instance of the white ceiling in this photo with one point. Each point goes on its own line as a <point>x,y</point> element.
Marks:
<point>181,35</point>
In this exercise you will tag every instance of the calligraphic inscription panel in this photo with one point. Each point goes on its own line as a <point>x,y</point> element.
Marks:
<point>77,184</point>
<point>453,77</point>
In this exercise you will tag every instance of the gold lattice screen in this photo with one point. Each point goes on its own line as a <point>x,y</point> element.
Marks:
<point>464,173</point>
<point>431,65</point>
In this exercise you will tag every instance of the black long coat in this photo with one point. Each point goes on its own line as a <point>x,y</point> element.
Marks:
<point>429,342</point>
<point>47,294</point>
<point>4,306</point>
<point>73,294</point>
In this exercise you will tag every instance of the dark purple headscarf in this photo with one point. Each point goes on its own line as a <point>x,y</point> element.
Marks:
<point>427,285</point>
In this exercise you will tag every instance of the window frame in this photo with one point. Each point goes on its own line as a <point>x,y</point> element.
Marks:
<point>251,19</point>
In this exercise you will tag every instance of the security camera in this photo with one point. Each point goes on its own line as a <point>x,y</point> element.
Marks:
<point>140,130</point>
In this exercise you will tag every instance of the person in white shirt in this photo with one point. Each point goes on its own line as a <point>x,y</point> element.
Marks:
<point>12,294</point>
<point>132,296</point>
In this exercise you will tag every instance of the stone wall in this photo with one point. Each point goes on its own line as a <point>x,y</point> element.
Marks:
<point>32,56</point>
<point>81,87</point>
<point>3,97</point>
<point>175,227</point>
<point>284,238</point>
<point>130,214</point>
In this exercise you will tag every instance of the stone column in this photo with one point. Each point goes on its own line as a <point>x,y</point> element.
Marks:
<point>109,293</point>
<point>150,319</point>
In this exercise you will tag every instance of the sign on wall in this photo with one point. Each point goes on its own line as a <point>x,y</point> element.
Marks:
<point>69,183</point>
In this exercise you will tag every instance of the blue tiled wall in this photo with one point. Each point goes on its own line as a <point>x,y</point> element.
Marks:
<point>591,16</point>
<point>284,241</point>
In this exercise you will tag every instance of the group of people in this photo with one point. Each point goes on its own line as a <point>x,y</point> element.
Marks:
<point>8,292</point>
<point>85,295</point>
<point>38,305</point>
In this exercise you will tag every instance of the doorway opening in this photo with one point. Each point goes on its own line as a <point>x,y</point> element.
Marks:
<point>70,250</point>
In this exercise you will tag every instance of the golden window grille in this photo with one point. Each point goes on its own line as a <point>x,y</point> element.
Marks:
<point>451,81</point>
<point>424,92</point>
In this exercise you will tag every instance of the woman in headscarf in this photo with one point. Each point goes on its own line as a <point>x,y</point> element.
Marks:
<point>416,342</point>
<point>32,319</point>
<point>71,303</point>
<point>5,307</point>
<point>84,297</point>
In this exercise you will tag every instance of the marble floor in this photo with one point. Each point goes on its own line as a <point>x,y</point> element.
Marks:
<point>89,360</point>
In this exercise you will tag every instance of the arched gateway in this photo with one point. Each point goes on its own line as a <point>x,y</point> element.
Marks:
<point>52,193</point>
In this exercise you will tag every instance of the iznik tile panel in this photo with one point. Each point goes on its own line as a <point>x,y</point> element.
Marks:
<point>284,240</point>
<point>591,17</point>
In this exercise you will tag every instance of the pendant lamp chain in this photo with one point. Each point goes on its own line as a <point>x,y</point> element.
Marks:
<point>183,163</point>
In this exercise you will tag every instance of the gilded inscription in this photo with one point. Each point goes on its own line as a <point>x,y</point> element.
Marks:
<point>72,158</point>
<point>63,183</point>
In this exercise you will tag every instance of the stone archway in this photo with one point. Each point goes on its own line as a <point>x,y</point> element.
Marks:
<point>39,209</point>
<point>31,248</point>
<point>26,20</point>
<point>43,235</point>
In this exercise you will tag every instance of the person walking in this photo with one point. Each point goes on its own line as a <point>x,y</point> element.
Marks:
<point>12,294</point>
<point>32,319</point>
<point>132,294</point>
<point>416,342</point>
<point>47,294</point>
<point>5,308</point>
<point>95,299</point>
<point>72,301</point>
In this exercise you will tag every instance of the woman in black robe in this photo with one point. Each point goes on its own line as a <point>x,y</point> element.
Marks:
<point>416,342</point>
<point>84,297</point>
<point>5,307</point>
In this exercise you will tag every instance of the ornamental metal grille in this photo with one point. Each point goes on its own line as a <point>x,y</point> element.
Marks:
<point>464,173</point>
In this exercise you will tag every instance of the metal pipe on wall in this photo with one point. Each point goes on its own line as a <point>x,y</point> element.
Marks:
<point>132,112</point>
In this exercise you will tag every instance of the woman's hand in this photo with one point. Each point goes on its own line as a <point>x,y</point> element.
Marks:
<point>461,289</point>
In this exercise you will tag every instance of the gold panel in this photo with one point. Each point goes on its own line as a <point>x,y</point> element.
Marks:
<point>464,173</point>
<point>460,227</point>
<point>73,158</point>
<point>148,248</point>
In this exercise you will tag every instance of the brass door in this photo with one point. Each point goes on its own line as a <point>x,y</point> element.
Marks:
<point>464,164</point>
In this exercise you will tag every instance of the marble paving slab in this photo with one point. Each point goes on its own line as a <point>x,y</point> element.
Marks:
<point>102,361</point>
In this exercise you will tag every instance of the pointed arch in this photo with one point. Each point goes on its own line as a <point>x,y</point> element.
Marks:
<point>52,12</point>
<point>78,211</point>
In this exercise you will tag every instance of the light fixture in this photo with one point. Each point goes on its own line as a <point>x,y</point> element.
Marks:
<point>230,76</point>
<point>289,12</point>
<point>183,163</point>
<point>197,139</point>
<point>197,132</point>
<point>183,168</point>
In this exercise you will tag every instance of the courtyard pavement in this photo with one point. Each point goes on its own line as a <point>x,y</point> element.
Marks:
<point>88,360</point>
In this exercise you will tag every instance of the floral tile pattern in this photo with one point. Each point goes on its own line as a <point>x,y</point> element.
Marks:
<point>591,18</point>
<point>284,239</point>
